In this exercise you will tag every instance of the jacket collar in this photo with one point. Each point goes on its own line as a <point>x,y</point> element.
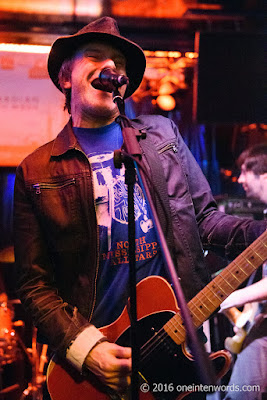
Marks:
<point>66,140</point>
<point>136,123</point>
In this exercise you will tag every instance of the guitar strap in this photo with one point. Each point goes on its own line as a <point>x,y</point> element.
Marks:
<point>159,189</point>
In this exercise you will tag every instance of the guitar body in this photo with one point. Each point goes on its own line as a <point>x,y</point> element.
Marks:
<point>164,365</point>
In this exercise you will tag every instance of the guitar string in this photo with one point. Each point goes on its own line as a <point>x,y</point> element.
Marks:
<point>155,341</point>
<point>159,337</point>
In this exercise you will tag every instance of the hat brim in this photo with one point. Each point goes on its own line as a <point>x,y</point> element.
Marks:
<point>64,48</point>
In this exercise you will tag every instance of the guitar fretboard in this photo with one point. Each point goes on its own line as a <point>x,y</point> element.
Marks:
<point>209,298</point>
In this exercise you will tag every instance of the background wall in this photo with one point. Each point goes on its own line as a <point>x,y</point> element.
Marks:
<point>30,106</point>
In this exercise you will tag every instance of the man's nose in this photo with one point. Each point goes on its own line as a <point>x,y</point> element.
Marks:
<point>240,179</point>
<point>108,63</point>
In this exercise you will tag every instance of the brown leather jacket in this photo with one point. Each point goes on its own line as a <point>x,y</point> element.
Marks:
<point>56,233</point>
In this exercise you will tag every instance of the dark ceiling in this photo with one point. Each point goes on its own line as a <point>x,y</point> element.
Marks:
<point>150,33</point>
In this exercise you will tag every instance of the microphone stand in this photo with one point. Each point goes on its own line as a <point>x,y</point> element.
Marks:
<point>132,151</point>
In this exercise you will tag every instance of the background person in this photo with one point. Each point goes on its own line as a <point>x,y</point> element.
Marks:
<point>250,367</point>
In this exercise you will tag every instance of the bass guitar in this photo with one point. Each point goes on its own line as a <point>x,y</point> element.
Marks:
<point>167,368</point>
<point>243,322</point>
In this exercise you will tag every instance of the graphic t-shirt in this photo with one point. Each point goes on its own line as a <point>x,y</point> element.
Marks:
<point>110,193</point>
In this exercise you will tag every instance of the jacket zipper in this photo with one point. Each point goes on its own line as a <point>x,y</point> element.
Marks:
<point>39,186</point>
<point>97,235</point>
<point>169,146</point>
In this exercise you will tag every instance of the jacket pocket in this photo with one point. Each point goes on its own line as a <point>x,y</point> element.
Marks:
<point>52,185</point>
<point>57,204</point>
<point>168,146</point>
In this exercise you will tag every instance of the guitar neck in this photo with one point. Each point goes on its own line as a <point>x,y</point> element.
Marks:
<point>232,314</point>
<point>211,296</point>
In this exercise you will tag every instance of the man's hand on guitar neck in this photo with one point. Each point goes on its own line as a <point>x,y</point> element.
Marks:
<point>112,364</point>
<point>255,292</point>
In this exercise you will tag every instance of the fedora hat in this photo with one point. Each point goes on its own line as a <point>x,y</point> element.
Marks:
<point>103,29</point>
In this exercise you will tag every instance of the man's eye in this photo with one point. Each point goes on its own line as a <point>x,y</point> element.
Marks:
<point>91,56</point>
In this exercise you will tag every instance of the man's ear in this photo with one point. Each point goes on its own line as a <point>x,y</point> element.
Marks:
<point>65,83</point>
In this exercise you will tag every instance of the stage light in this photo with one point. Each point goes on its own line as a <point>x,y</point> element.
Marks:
<point>24,48</point>
<point>191,55</point>
<point>166,102</point>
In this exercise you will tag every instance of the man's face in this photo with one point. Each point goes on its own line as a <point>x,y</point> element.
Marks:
<point>254,185</point>
<point>88,103</point>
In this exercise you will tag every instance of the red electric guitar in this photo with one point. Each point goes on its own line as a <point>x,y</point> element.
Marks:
<point>165,365</point>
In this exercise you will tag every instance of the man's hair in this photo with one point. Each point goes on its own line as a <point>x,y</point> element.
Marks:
<point>65,73</point>
<point>254,159</point>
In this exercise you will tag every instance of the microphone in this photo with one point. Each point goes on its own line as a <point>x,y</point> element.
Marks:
<point>109,80</point>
